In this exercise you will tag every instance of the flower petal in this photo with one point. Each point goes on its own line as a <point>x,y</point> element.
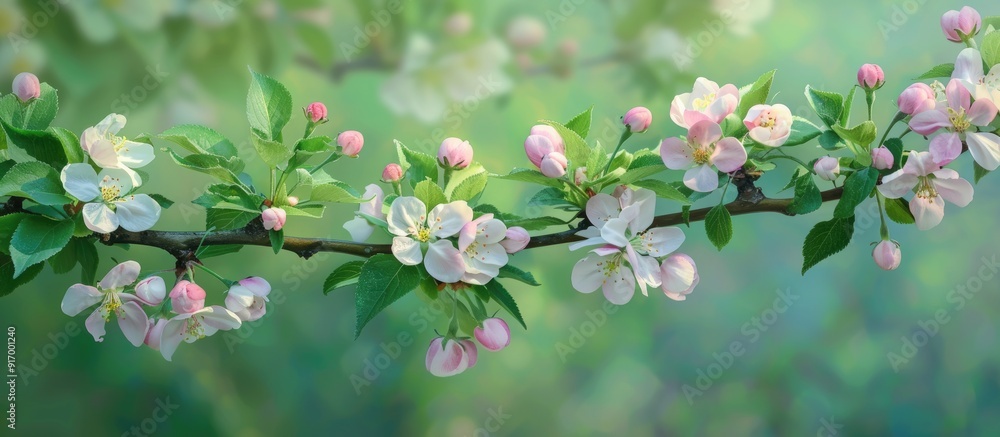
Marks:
<point>360,229</point>
<point>99,218</point>
<point>729,155</point>
<point>897,184</point>
<point>704,133</point>
<point>447,219</point>
<point>95,325</point>
<point>985,149</point>
<point>953,188</point>
<point>444,262</point>
<point>968,66</point>
<point>121,275</point>
<point>133,322</point>
<point>928,213</point>
<point>103,153</point>
<point>602,208</point>
<point>659,242</point>
<point>80,181</point>
<point>928,122</point>
<point>134,154</point>
<point>620,286</point>
<point>78,298</point>
<point>945,148</point>
<point>680,276</point>
<point>173,335</point>
<point>219,318</point>
<point>137,213</point>
<point>407,251</point>
<point>406,214</point>
<point>614,232</point>
<point>702,179</point>
<point>588,273</point>
<point>982,113</point>
<point>116,178</point>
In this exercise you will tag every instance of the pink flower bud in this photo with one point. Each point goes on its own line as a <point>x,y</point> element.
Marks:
<point>446,359</point>
<point>580,176</point>
<point>257,285</point>
<point>471,351</point>
<point>638,119</point>
<point>350,143</point>
<point>246,304</point>
<point>26,87</point>
<point>392,173</point>
<point>274,218</point>
<point>554,165</point>
<point>882,158</point>
<point>917,98</point>
<point>187,297</point>
<point>154,333</point>
<point>517,238</point>
<point>458,24</point>
<point>151,290</point>
<point>887,255</point>
<point>827,168</point>
<point>968,21</point>
<point>316,112</point>
<point>494,334</point>
<point>455,153</point>
<point>680,276</point>
<point>558,145</point>
<point>871,77</point>
<point>525,32</point>
<point>536,147</point>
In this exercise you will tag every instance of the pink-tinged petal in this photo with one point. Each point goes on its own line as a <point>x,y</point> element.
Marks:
<point>645,268</point>
<point>172,336</point>
<point>592,241</point>
<point>537,147</point>
<point>99,218</point>
<point>219,318</point>
<point>723,106</point>
<point>928,122</point>
<point>692,117</point>
<point>554,165</point>
<point>928,213</point>
<point>620,286</point>
<point>406,214</point>
<point>103,153</point>
<point>680,276</point>
<point>602,208</point>
<point>449,360</point>
<point>676,153</point>
<point>121,275</point>
<point>920,164</point>
<point>78,298</point>
<point>644,210</point>
<point>702,179</point>
<point>614,232</point>
<point>729,90</point>
<point>407,251</point>
<point>897,184</point>
<point>677,109</point>
<point>958,96</point>
<point>155,333</point>
<point>95,325</point>
<point>950,186</point>
<point>257,285</point>
<point>133,322</point>
<point>588,273</point>
<point>969,66</point>
<point>471,352</point>
<point>491,231</point>
<point>372,207</point>
<point>444,262</point>
<point>704,133</point>
<point>982,113</point>
<point>447,219</point>
<point>945,148</point>
<point>750,121</point>
<point>729,155</point>
<point>659,242</point>
<point>549,132</point>
<point>494,334</point>
<point>467,235</point>
<point>151,291</point>
<point>985,149</point>
<point>704,87</point>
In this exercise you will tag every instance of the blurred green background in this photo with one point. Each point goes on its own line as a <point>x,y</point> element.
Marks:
<point>821,366</point>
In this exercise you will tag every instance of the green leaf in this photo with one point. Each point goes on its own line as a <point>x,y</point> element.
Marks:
<point>8,281</point>
<point>269,106</point>
<point>829,140</point>
<point>271,152</point>
<point>509,271</point>
<point>86,255</point>
<point>577,150</point>
<point>531,176</point>
<point>990,49</point>
<point>826,239</point>
<point>8,224</point>
<point>199,139</point>
<point>597,161</point>
<point>979,171</point>
<point>895,146</point>
<point>898,211</point>
<point>418,165</point>
<point>467,183</point>
<point>857,187</point>
<point>36,115</point>
<point>217,250</point>
<point>229,196</point>
<point>277,240</point>
<point>314,144</point>
<point>225,219</point>
<point>312,210</point>
<point>549,197</point>
<point>383,280</point>
<point>719,226</point>
<point>162,200</point>
<point>757,94</point>
<point>347,274</point>
<point>802,132</point>
<point>336,192</point>
<point>70,143</point>
<point>430,193</point>
<point>862,134</point>
<point>942,70</point>
<point>663,190</point>
<point>845,116</point>
<point>828,105</point>
<point>505,300</point>
<point>581,123</point>
<point>36,239</point>
<point>686,215</point>
<point>41,145</point>
<point>643,165</point>
<point>213,165</point>
<point>807,196</point>
<point>36,181</point>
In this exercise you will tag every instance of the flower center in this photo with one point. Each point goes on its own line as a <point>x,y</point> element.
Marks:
<point>702,155</point>
<point>959,120</point>
<point>110,305</point>
<point>119,142</point>
<point>925,189</point>
<point>194,329</point>
<point>423,234</point>
<point>766,119</point>
<point>610,266</point>
<point>701,104</point>
<point>111,193</point>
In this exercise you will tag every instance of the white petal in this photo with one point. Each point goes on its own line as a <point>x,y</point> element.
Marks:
<point>133,322</point>
<point>406,214</point>
<point>360,229</point>
<point>173,335</point>
<point>121,275</point>
<point>219,318</point>
<point>644,201</point>
<point>78,298</point>
<point>953,189</point>
<point>444,262</point>
<point>137,213</point>
<point>659,242</point>
<point>111,124</point>
<point>115,178</point>
<point>620,287</point>
<point>99,218</point>
<point>985,149</point>
<point>614,232</point>
<point>103,153</point>
<point>928,213</point>
<point>897,184</point>
<point>447,219</point>
<point>407,250</point>
<point>702,179</point>
<point>80,181</point>
<point>588,273</point>
<point>602,208</point>
<point>133,154</point>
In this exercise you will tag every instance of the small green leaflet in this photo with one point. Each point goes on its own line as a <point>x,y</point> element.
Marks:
<point>506,301</point>
<point>347,274</point>
<point>857,187</point>
<point>826,239</point>
<point>382,281</point>
<point>719,226</point>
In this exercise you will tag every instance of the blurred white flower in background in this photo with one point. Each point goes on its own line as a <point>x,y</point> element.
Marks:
<point>740,16</point>
<point>664,44</point>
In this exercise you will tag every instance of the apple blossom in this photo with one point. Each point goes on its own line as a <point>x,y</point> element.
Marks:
<point>932,185</point>
<point>969,71</point>
<point>917,98</point>
<point>350,143</point>
<point>545,154</point>
<point>554,165</point>
<point>580,176</point>
<point>110,292</point>
<point>705,102</point>
<point>638,119</point>
<point>525,32</point>
<point>679,275</point>
<point>871,77</point>
<point>458,24</point>
<point>960,25</point>
<point>516,239</point>
<point>887,255</point>
<point>316,112</point>
<point>26,87</point>
<point>558,145</point>
<point>187,297</point>
<point>151,290</point>
<point>248,303</point>
<point>154,333</point>
<point>703,148</point>
<point>446,359</point>
<point>769,125</point>
<point>190,327</point>
<point>359,227</point>
<point>292,200</point>
<point>958,118</point>
<point>274,218</point>
<point>882,158</point>
<point>493,333</point>
<point>108,150</point>
<point>827,168</point>
<point>392,173</point>
<point>416,230</point>
<point>479,241</point>
<point>109,203</point>
<point>455,153</point>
